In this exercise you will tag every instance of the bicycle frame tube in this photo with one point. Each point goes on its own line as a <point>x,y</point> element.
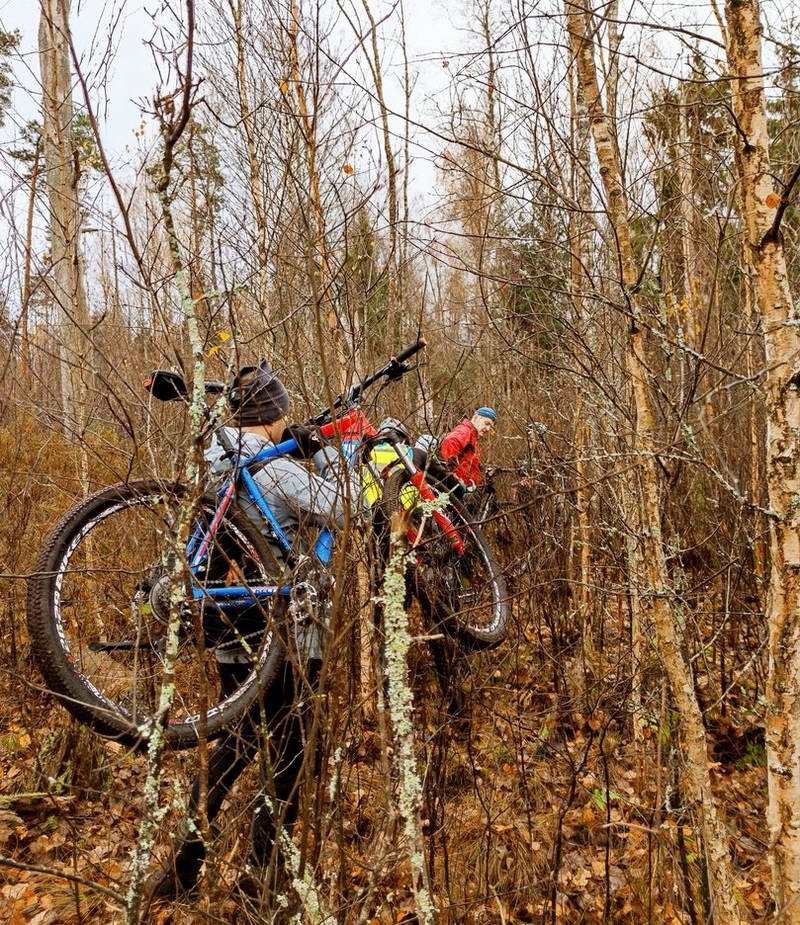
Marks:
<point>323,548</point>
<point>258,499</point>
<point>236,595</point>
<point>269,452</point>
<point>225,503</point>
<point>417,479</point>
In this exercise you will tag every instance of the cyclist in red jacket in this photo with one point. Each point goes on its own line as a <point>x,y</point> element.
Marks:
<point>460,449</point>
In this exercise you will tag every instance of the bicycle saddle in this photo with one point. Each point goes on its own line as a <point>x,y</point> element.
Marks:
<point>166,385</point>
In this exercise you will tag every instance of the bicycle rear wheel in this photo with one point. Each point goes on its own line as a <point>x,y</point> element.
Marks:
<point>465,592</point>
<point>99,605</point>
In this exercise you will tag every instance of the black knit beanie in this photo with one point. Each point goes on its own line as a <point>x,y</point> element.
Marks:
<point>257,396</point>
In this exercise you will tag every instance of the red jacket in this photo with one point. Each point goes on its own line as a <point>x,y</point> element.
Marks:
<point>460,449</point>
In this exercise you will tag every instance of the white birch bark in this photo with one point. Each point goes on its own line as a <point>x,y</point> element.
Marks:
<point>721,881</point>
<point>782,346</point>
<point>61,176</point>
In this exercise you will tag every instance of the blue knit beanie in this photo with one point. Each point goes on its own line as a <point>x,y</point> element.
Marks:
<point>485,412</point>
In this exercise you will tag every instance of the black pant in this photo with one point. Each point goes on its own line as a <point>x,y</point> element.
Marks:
<point>285,718</point>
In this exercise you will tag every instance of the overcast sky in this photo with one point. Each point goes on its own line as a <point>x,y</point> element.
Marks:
<point>434,29</point>
<point>437,31</point>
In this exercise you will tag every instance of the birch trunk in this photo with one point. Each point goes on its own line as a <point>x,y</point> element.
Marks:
<point>61,176</point>
<point>762,207</point>
<point>612,77</point>
<point>579,232</point>
<point>721,881</point>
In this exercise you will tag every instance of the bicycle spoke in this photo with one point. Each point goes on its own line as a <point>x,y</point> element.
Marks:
<point>116,600</point>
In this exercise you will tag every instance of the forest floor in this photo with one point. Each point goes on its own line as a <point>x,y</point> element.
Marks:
<point>530,817</point>
<point>535,810</point>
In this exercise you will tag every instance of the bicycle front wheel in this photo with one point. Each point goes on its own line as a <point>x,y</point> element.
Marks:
<point>463,591</point>
<point>100,602</point>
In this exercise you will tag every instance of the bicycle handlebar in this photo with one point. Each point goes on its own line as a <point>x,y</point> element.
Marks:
<point>412,349</point>
<point>394,369</point>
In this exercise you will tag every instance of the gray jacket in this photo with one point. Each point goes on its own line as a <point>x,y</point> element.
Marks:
<point>297,497</point>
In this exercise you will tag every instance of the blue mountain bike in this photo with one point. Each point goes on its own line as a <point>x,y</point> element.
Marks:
<point>111,577</point>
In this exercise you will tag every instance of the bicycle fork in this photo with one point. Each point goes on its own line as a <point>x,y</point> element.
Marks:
<point>417,478</point>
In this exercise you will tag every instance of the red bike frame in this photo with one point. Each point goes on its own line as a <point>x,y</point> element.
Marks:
<point>356,425</point>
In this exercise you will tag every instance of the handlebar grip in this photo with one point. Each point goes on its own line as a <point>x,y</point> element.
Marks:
<point>411,350</point>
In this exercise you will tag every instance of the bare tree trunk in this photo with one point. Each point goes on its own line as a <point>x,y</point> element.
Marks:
<point>368,650</point>
<point>173,121</point>
<point>391,167</point>
<point>320,273</point>
<point>612,77</point>
<point>631,512</point>
<point>721,880</point>
<point>400,700</point>
<point>492,194</point>
<point>756,446</point>
<point>198,285</point>
<point>492,141</point>
<point>584,597</point>
<point>27,292</point>
<point>394,267</point>
<point>579,259</point>
<point>691,290</point>
<point>406,144</point>
<point>61,177</point>
<point>763,210</point>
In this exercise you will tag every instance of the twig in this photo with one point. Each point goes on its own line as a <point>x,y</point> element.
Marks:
<point>772,234</point>
<point>73,878</point>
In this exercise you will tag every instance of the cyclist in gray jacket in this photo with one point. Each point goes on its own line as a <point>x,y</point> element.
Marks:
<point>297,497</point>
